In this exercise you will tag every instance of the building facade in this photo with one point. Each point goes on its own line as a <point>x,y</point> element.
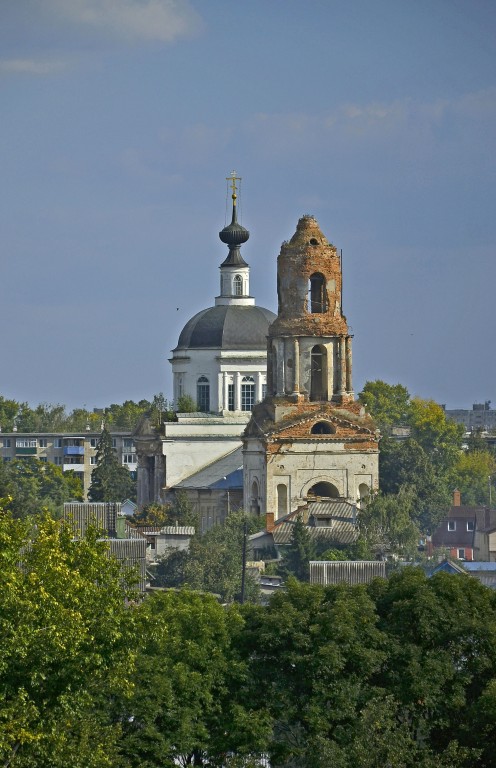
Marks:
<point>74,452</point>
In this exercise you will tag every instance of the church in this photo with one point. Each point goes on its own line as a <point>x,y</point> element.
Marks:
<point>276,423</point>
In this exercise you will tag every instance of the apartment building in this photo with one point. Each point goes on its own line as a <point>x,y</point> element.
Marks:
<point>70,451</point>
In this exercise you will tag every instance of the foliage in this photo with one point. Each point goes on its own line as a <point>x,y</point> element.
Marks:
<point>33,485</point>
<point>424,462</point>
<point>179,512</point>
<point>54,418</point>
<point>388,404</point>
<point>299,552</point>
<point>214,562</point>
<point>472,475</point>
<point>186,404</point>
<point>66,646</point>
<point>386,524</point>
<point>110,481</point>
<point>186,704</point>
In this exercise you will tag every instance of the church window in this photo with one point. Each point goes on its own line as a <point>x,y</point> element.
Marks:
<point>322,428</point>
<point>264,391</point>
<point>203,394</point>
<point>318,382</point>
<point>230,397</point>
<point>317,295</point>
<point>238,285</point>
<point>247,393</point>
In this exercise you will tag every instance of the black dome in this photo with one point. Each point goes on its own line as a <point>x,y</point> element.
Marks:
<point>229,326</point>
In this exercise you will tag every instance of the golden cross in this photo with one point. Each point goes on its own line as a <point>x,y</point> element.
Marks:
<point>233,179</point>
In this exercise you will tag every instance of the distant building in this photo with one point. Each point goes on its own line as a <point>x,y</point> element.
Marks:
<point>75,451</point>
<point>467,533</point>
<point>482,417</point>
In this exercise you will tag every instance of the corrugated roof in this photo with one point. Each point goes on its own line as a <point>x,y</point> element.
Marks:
<point>222,474</point>
<point>339,532</point>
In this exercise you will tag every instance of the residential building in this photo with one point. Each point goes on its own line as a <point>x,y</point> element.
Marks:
<point>75,451</point>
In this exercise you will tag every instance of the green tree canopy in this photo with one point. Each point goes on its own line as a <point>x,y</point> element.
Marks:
<point>66,646</point>
<point>110,481</point>
<point>32,485</point>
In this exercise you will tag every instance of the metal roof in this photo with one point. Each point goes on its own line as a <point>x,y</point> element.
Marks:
<point>225,473</point>
<point>229,326</point>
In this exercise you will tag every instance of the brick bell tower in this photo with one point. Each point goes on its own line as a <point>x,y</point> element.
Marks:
<point>308,438</point>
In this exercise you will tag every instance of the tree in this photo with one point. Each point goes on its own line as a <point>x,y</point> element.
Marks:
<point>296,558</point>
<point>67,646</point>
<point>110,481</point>
<point>387,526</point>
<point>186,707</point>
<point>33,485</point>
<point>186,404</point>
<point>388,404</point>
<point>214,562</point>
<point>472,474</point>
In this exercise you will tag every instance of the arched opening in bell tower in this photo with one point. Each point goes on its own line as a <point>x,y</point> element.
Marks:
<point>318,382</point>
<point>326,490</point>
<point>317,295</point>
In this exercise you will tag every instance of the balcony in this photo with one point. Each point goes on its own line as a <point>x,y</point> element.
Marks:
<point>26,451</point>
<point>73,468</point>
<point>73,450</point>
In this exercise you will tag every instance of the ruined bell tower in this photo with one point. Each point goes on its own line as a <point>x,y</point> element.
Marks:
<point>308,438</point>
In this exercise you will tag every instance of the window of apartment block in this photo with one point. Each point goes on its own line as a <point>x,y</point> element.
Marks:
<point>94,442</point>
<point>128,443</point>
<point>114,442</point>
<point>43,442</point>
<point>451,525</point>
<point>58,442</point>
<point>58,460</point>
<point>25,443</point>
<point>92,459</point>
<point>43,458</point>
<point>6,442</point>
<point>6,458</point>
<point>129,458</point>
<point>461,554</point>
<point>470,525</point>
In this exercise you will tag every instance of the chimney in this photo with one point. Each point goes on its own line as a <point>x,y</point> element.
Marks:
<point>457,502</point>
<point>269,522</point>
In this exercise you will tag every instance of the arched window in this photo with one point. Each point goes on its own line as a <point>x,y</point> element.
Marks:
<point>363,493</point>
<point>282,499</point>
<point>327,490</point>
<point>322,428</point>
<point>247,393</point>
<point>238,285</point>
<point>318,382</point>
<point>317,295</point>
<point>203,394</point>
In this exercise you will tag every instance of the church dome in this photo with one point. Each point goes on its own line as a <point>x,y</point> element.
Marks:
<point>229,326</point>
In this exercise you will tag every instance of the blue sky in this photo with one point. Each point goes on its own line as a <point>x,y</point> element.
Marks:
<point>120,120</point>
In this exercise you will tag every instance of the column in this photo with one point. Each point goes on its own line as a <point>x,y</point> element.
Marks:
<point>220,392</point>
<point>296,363</point>
<point>349,384</point>
<point>226,391</point>
<point>280,373</point>
<point>342,365</point>
<point>258,387</point>
<point>237,392</point>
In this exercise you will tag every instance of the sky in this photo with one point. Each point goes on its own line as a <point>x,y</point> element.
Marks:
<point>120,120</point>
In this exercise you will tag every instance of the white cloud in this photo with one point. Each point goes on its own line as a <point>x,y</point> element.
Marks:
<point>31,66</point>
<point>159,20</point>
